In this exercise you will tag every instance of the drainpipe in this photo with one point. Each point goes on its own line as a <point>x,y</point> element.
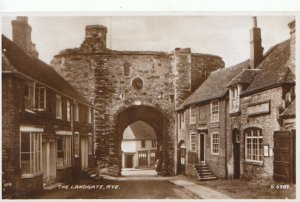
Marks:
<point>226,169</point>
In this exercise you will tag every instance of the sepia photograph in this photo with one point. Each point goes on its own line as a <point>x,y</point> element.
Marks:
<point>149,106</point>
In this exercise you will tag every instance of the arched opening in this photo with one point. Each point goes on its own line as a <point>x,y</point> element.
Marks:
<point>139,148</point>
<point>236,153</point>
<point>137,117</point>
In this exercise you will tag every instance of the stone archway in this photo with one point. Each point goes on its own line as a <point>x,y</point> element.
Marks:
<point>156,118</point>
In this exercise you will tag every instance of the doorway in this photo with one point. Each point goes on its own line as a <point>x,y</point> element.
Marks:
<point>84,152</point>
<point>236,153</point>
<point>128,160</point>
<point>49,156</point>
<point>202,147</point>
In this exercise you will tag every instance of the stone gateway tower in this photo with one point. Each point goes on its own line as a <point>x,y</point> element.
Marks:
<point>130,86</point>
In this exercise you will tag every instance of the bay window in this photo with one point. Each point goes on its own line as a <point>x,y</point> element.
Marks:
<point>254,145</point>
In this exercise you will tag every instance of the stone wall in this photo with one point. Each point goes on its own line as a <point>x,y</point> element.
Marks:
<point>268,123</point>
<point>106,79</point>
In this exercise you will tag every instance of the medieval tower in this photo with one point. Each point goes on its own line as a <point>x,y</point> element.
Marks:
<point>128,86</point>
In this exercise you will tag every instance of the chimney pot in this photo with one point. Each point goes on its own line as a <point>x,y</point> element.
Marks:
<point>254,20</point>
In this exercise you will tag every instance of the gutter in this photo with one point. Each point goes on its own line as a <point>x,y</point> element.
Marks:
<point>226,168</point>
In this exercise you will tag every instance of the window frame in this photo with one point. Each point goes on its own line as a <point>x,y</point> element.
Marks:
<point>89,114</point>
<point>193,144</point>
<point>259,141</point>
<point>68,110</point>
<point>66,151</point>
<point>215,143</point>
<point>192,115</point>
<point>90,144</point>
<point>76,112</point>
<point>38,98</point>
<point>215,110</point>
<point>29,100</point>
<point>59,104</point>
<point>234,99</point>
<point>35,163</point>
<point>153,143</point>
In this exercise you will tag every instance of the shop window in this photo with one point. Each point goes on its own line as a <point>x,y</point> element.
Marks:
<point>215,111</point>
<point>63,149</point>
<point>215,143</point>
<point>31,156</point>
<point>254,145</point>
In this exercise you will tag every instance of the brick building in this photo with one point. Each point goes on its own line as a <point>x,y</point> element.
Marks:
<point>229,123</point>
<point>47,126</point>
<point>130,86</point>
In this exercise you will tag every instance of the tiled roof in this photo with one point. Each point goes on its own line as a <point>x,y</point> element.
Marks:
<point>35,69</point>
<point>215,85</point>
<point>245,77</point>
<point>139,131</point>
<point>273,69</point>
<point>290,111</point>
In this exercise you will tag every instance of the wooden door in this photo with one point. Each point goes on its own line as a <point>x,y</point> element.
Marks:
<point>128,161</point>
<point>236,153</point>
<point>284,156</point>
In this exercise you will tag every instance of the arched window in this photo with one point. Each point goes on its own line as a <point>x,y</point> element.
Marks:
<point>254,145</point>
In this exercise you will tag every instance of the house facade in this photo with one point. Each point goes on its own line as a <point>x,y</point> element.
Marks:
<point>139,146</point>
<point>232,119</point>
<point>47,126</point>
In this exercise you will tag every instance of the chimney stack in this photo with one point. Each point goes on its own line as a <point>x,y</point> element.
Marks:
<point>95,39</point>
<point>256,50</point>
<point>21,32</point>
<point>292,26</point>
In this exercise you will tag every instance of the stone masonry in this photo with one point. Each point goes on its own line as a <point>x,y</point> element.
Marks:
<point>107,78</point>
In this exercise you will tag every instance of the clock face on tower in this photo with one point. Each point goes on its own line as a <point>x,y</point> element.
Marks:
<point>137,83</point>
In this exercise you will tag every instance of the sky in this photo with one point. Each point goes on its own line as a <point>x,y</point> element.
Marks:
<point>225,36</point>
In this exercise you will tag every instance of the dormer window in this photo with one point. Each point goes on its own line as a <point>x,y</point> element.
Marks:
<point>234,99</point>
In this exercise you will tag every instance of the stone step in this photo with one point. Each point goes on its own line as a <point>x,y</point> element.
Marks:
<point>207,178</point>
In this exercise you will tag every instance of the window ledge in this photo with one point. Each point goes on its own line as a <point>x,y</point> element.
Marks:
<point>31,175</point>
<point>259,163</point>
<point>238,113</point>
<point>30,111</point>
<point>215,154</point>
<point>61,168</point>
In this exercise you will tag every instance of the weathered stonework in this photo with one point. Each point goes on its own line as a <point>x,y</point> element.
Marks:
<point>105,78</point>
